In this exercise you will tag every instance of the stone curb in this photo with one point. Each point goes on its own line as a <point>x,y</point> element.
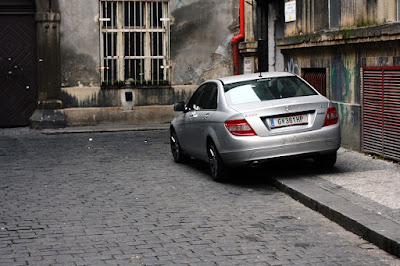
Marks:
<point>370,226</point>
<point>99,129</point>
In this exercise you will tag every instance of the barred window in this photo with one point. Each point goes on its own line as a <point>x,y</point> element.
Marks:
<point>134,41</point>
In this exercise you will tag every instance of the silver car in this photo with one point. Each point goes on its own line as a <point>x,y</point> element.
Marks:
<point>247,119</point>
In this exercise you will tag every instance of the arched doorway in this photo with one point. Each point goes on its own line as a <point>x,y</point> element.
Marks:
<point>18,66</point>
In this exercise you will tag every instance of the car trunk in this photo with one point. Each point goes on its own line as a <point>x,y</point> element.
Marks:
<point>285,116</point>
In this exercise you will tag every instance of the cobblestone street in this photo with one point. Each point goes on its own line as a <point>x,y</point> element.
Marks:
<point>119,199</point>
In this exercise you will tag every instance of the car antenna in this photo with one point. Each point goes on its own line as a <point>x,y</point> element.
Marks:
<point>260,74</point>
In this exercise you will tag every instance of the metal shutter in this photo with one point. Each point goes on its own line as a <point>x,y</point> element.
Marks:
<point>317,79</point>
<point>381,111</point>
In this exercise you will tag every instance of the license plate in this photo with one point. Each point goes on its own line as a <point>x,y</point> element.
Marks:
<point>289,121</point>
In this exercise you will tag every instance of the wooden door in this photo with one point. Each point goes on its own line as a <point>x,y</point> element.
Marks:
<point>18,88</point>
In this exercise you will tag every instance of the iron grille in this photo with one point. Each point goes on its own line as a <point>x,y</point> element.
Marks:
<point>134,41</point>
<point>381,111</point>
<point>317,79</point>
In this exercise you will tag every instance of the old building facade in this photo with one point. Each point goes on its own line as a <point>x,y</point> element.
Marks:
<point>349,50</point>
<point>126,61</point>
<point>109,61</point>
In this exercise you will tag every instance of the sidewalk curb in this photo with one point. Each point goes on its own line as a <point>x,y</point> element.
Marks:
<point>370,226</point>
<point>103,129</point>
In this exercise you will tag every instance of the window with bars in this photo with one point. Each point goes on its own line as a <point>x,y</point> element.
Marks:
<point>134,42</point>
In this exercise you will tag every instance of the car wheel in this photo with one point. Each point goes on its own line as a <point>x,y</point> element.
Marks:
<point>179,156</point>
<point>217,167</point>
<point>325,161</point>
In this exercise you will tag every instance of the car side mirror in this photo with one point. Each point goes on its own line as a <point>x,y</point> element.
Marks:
<point>179,106</point>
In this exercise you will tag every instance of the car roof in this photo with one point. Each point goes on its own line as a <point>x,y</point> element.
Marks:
<point>263,75</point>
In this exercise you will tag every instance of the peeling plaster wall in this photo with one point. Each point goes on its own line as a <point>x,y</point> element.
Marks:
<point>79,43</point>
<point>201,34</point>
<point>73,97</point>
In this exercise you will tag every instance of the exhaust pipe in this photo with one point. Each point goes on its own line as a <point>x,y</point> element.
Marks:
<point>255,164</point>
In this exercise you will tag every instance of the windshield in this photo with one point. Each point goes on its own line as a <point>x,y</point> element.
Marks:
<point>267,89</point>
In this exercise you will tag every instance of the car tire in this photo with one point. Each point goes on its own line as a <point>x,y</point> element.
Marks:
<point>217,168</point>
<point>325,161</point>
<point>177,153</point>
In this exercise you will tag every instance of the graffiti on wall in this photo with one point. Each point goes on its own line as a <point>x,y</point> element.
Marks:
<point>291,66</point>
<point>180,2</point>
<point>346,91</point>
<point>346,114</point>
<point>345,73</point>
<point>350,124</point>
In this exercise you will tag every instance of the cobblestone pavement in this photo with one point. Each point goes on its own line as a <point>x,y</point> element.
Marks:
<point>119,199</point>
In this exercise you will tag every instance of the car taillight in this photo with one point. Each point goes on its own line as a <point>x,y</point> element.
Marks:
<point>332,117</point>
<point>239,128</point>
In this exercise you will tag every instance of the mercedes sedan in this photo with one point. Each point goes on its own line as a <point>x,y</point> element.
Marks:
<point>248,119</point>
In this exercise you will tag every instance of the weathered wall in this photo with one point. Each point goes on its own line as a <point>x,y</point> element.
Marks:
<point>312,15</point>
<point>79,43</point>
<point>344,82</point>
<point>74,97</point>
<point>367,12</point>
<point>201,34</point>
<point>276,22</point>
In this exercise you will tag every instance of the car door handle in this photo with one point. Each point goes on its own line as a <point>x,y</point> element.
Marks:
<point>192,116</point>
<point>205,117</point>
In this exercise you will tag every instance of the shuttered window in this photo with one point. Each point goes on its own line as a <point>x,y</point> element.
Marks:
<point>381,111</point>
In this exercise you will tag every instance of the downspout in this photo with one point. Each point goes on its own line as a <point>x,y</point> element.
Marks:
<point>237,38</point>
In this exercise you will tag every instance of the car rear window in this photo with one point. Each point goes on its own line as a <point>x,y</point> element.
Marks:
<point>267,89</point>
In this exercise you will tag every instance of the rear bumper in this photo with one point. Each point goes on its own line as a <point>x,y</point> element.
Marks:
<point>242,150</point>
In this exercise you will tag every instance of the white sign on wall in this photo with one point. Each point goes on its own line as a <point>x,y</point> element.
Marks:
<point>248,65</point>
<point>290,11</point>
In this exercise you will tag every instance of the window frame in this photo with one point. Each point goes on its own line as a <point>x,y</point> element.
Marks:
<point>209,99</point>
<point>203,97</point>
<point>195,100</point>
<point>147,60</point>
<point>334,14</point>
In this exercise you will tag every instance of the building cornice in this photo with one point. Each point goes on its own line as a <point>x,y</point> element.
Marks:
<point>371,34</point>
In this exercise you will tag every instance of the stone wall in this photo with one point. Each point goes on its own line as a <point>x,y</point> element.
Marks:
<point>201,33</point>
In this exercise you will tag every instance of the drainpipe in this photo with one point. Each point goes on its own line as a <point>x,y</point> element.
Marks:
<point>236,39</point>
